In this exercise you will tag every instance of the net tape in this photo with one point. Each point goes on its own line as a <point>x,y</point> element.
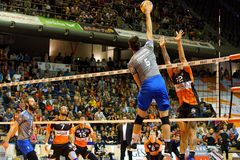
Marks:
<point>132,121</point>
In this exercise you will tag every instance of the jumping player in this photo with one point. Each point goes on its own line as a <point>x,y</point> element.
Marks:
<point>63,135</point>
<point>183,80</point>
<point>143,67</point>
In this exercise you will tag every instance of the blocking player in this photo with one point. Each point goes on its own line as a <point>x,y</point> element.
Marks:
<point>183,80</point>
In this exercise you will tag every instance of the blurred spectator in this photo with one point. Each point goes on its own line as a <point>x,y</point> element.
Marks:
<point>100,149</point>
<point>224,139</point>
<point>234,134</point>
<point>99,115</point>
<point>211,138</point>
<point>58,58</point>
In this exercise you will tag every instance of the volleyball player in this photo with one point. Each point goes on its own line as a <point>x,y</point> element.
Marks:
<point>82,134</point>
<point>143,67</point>
<point>24,126</point>
<point>183,80</point>
<point>63,134</point>
<point>153,147</point>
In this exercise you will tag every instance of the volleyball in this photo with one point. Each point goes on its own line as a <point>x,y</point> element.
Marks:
<point>144,4</point>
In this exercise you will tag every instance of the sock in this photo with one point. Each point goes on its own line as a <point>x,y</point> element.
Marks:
<point>192,154</point>
<point>168,146</point>
<point>182,157</point>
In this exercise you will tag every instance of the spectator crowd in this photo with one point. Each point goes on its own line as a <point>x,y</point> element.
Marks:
<point>168,16</point>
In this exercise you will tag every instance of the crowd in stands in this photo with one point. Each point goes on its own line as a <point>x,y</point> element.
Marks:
<point>229,12</point>
<point>168,16</point>
<point>208,134</point>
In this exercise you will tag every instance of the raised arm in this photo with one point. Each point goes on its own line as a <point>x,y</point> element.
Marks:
<point>181,53</point>
<point>162,44</point>
<point>149,21</point>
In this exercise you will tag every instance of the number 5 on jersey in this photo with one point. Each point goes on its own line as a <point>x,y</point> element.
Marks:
<point>147,62</point>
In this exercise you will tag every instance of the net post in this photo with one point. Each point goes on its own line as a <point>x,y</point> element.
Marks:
<point>218,103</point>
<point>231,96</point>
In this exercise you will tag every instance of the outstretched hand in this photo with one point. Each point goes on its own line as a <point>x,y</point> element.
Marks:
<point>162,41</point>
<point>179,35</point>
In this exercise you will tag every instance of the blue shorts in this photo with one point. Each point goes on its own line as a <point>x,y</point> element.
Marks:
<point>153,88</point>
<point>24,146</point>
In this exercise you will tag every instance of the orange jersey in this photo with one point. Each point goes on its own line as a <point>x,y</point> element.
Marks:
<point>153,148</point>
<point>61,132</point>
<point>82,135</point>
<point>183,83</point>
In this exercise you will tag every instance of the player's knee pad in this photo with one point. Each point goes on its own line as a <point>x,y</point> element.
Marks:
<point>91,156</point>
<point>32,156</point>
<point>165,120</point>
<point>139,120</point>
<point>72,155</point>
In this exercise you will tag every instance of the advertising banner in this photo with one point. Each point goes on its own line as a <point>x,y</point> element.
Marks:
<point>19,18</point>
<point>169,39</point>
<point>60,23</point>
<point>54,66</point>
<point>34,20</point>
<point>97,28</point>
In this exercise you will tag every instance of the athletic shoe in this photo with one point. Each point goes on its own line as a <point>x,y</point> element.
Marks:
<point>133,146</point>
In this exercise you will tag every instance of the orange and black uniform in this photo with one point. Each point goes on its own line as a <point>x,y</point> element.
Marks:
<point>81,140</point>
<point>153,150</point>
<point>186,93</point>
<point>61,144</point>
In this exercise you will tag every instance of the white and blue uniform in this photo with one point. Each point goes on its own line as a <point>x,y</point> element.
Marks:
<point>144,64</point>
<point>25,130</point>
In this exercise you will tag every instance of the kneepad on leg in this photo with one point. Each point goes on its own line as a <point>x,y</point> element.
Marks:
<point>165,120</point>
<point>32,156</point>
<point>139,120</point>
